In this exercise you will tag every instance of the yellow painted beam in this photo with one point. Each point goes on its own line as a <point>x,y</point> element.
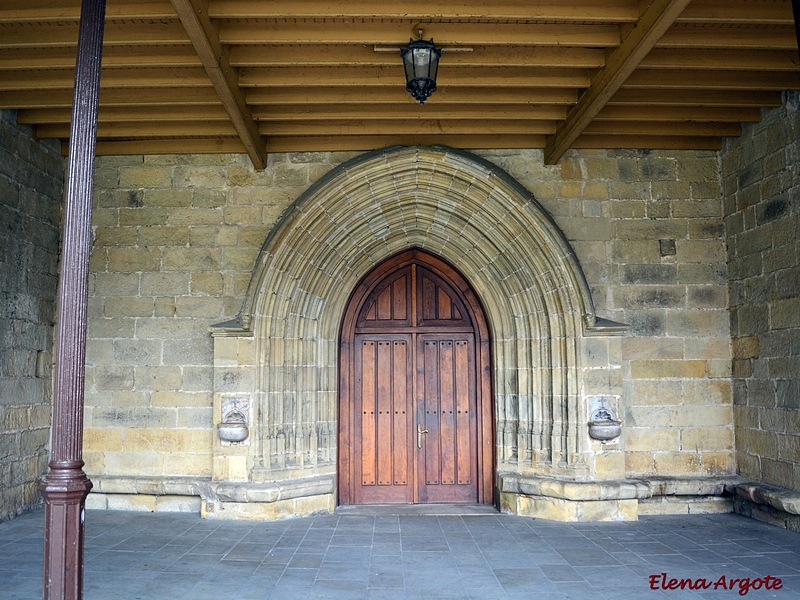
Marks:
<point>357,79</point>
<point>581,11</point>
<point>455,34</point>
<point>721,80</point>
<point>403,126</point>
<point>734,38</point>
<point>213,145</point>
<point>454,111</point>
<point>349,55</point>
<point>150,129</point>
<point>69,10</point>
<point>118,114</point>
<point>54,35</point>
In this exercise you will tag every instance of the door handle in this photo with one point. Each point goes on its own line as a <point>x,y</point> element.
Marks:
<point>420,431</point>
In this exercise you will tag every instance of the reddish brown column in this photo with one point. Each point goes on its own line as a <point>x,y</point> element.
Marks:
<point>65,486</point>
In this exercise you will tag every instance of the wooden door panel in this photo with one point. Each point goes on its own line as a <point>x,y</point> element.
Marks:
<point>383,419</point>
<point>466,414</point>
<point>389,305</point>
<point>446,393</point>
<point>437,304</point>
<point>414,352</point>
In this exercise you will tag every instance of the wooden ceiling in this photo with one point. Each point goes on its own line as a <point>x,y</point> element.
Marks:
<point>261,76</point>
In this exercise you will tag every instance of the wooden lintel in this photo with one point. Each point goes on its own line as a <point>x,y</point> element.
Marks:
<point>655,21</point>
<point>194,17</point>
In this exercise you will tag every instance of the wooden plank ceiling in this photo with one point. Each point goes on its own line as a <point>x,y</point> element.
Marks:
<point>261,76</point>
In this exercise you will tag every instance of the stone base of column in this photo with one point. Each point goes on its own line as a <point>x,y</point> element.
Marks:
<point>64,490</point>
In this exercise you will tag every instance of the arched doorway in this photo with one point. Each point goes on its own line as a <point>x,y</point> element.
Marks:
<point>415,401</point>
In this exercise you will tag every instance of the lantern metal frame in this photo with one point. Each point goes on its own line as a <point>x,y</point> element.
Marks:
<point>421,63</point>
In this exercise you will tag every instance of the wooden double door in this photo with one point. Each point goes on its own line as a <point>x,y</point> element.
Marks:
<point>415,416</point>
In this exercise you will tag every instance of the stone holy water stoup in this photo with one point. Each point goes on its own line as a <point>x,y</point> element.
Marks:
<point>233,427</point>
<point>603,426</point>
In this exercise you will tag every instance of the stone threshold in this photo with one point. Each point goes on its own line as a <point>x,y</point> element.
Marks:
<point>417,510</point>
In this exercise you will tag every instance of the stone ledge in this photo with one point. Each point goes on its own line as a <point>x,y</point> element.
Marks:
<point>226,491</point>
<point>153,486</point>
<point>532,485</point>
<point>778,498</point>
<point>618,489</point>
<point>275,491</point>
<point>693,486</point>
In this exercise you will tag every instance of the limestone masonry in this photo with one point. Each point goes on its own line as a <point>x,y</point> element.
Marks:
<point>659,286</point>
<point>31,180</point>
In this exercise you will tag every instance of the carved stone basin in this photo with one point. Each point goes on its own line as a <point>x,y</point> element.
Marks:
<point>605,429</point>
<point>234,428</point>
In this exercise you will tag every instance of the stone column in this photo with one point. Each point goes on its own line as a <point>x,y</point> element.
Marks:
<point>65,486</point>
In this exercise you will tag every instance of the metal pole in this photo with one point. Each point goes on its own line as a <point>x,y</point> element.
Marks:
<point>66,485</point>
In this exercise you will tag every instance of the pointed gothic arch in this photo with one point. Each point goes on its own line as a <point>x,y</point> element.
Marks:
<point>475,216</point>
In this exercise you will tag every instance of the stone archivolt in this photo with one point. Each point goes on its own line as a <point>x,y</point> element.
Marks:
<point>476,217</point>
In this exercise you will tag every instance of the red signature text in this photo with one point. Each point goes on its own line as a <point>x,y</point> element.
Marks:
<point>743,585</point>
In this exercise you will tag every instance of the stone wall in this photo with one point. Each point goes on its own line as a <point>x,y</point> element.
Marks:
<point>175,242</point>
<point>31,183</point>
<point>761,185</point>
<point>177,238</point>
<point>647,229</point>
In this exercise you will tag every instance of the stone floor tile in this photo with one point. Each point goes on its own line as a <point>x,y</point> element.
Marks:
<point>303,558</point>
<point>383,580</point>
<point>560,574</point>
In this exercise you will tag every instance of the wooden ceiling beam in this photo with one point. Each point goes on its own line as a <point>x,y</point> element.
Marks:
<point>127,34</point>
<point>715,59</point>
<point>109,114</point>
<point>382,112</point>
<point>362,143</point>
<point>721,80</point>
<point>676,97</point>
<point>445,34</point>
<point>678,114</point>
<point>366,76</point>
<point>209,145</point>
<point>736,11</point>
<point>454,111</point>
<point>398,95</point>
<point>194,16</point>
<point>319,55</point>
<point>658,17</point>
<point>111,78</point>
<point>404,126</point>
<point>282,55</point>
<point>646,142</point>
<point>581,11</point>
<point>154,97</point>
<point>148,129</point>
<point>733,38</point>
<point>356,127</point>
<point>313,143</point>
<point>25,11</point>
<point>366,143</point>
<point>113,56</point>
<point>668,129</point>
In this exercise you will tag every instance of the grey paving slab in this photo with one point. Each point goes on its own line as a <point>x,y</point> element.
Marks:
<point>365,554</point>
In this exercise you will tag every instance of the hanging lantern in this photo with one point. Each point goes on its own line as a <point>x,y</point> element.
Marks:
<point>421,62</point>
